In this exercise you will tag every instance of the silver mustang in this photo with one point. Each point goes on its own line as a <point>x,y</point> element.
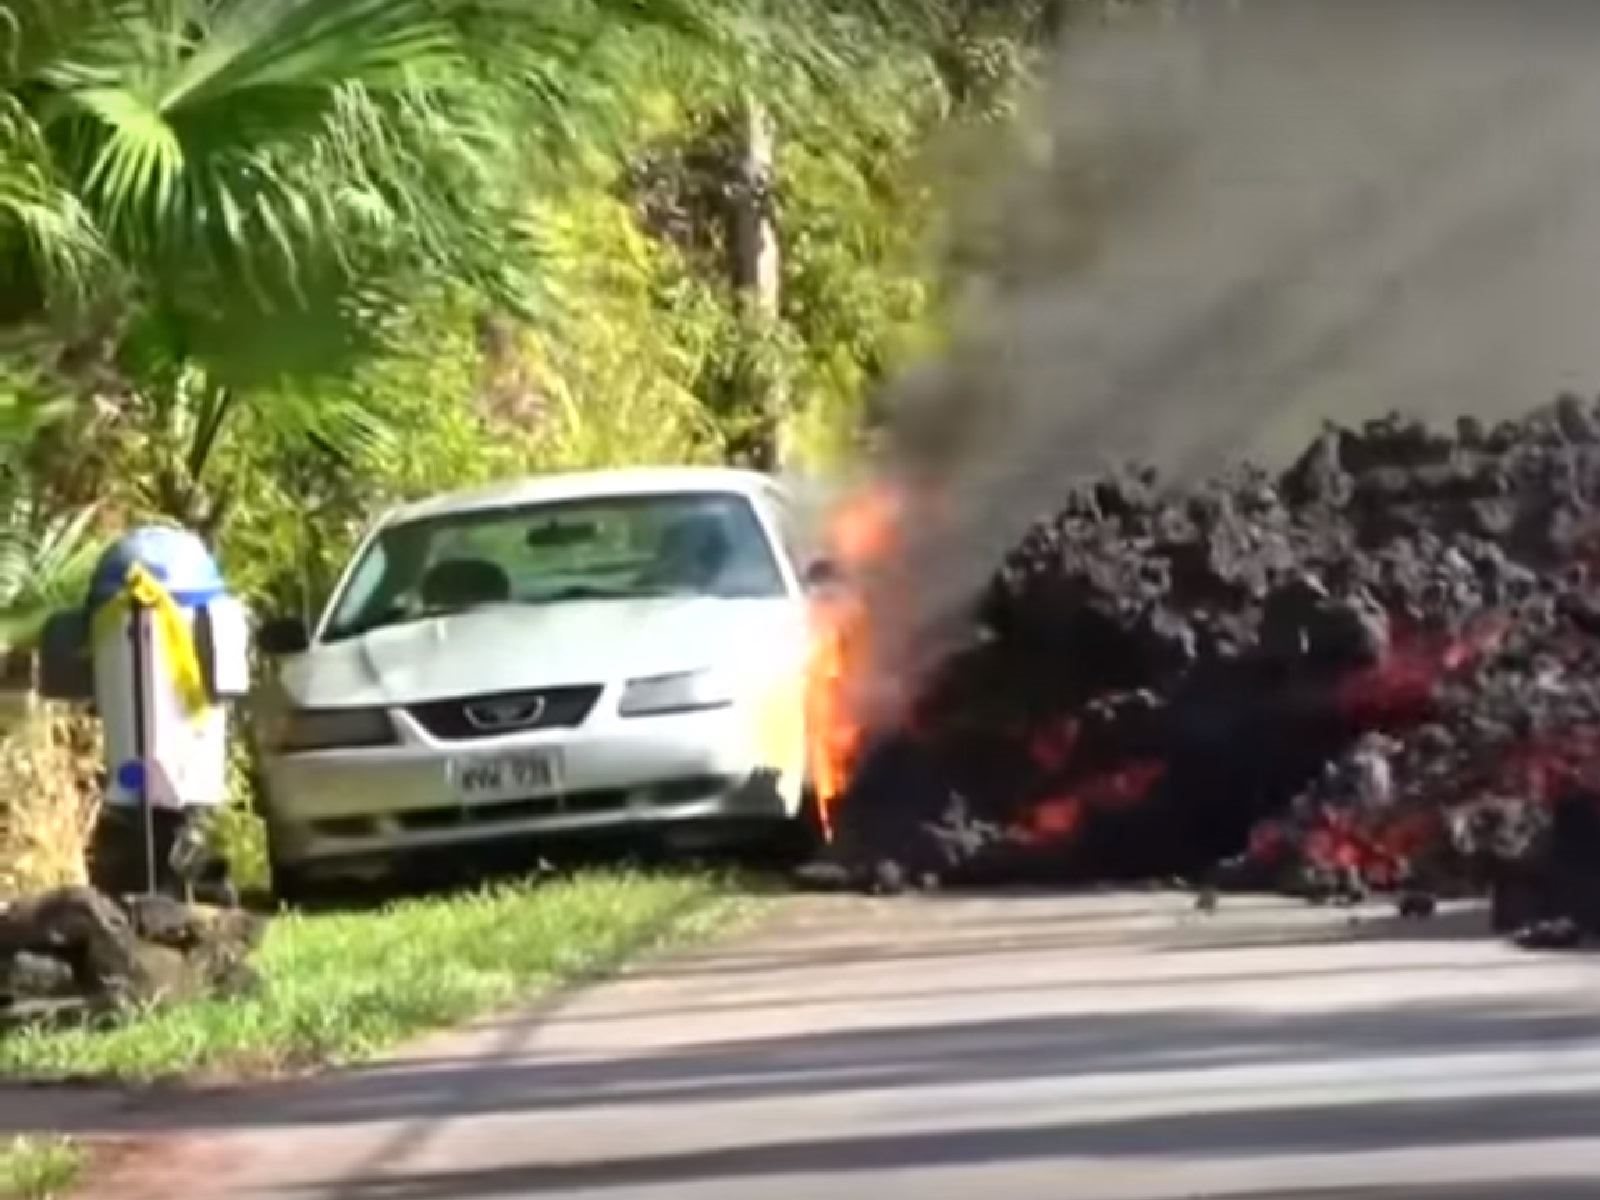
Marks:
<point>615,649</point>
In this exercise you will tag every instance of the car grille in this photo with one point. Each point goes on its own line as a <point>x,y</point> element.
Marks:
<point>506,712</point>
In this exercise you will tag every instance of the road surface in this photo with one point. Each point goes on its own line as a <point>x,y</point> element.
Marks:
<point>1092,1048</point>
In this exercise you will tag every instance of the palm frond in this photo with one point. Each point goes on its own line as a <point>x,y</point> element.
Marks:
<point>64,552</point>
<point>40,212</point>
<point>45,564</point>
<point>16,540</point>
<point>189,136</point>
<point>253,48</point>
<point>36,33</point>
<point>28,405</point>
<point>219,146</point>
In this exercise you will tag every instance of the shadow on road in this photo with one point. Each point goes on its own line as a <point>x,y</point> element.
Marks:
<point>929,1058</point>
<point>1377,1127</point>
<point>1214,1075</point>
<point>1312,1129</point>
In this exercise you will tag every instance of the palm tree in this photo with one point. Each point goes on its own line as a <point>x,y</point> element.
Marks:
<point>257,148</point>
<point>248,185</point>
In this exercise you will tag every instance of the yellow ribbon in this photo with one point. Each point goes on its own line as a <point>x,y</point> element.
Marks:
<point>172,633</point>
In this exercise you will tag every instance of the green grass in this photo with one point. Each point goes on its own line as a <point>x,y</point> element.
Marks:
<point>343,987</point>
<point>38,1168</point>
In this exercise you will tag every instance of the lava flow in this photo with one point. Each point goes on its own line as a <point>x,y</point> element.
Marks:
<point>1314,683</point>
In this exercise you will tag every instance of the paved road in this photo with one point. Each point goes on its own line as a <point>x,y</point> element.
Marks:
<point>1104,1048</point>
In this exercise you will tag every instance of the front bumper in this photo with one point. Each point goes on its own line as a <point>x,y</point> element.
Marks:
<point>615,774</point>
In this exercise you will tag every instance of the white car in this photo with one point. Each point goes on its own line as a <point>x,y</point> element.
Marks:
<point>586,652</point>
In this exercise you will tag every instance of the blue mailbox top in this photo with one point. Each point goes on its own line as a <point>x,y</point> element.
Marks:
<point>174,556</point>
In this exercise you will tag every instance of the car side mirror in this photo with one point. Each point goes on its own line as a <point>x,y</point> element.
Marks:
<point>822,573</point>
<point>283,635</point>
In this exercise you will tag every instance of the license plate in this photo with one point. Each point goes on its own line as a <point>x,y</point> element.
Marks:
<point>508,777</point>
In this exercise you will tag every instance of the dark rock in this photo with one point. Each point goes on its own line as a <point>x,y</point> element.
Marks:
<point>75,943</point>
<point>1560,933</point>
<point>1319,476</point>
<point>1574,420</point>
<point>1352,632</point>
<point>164,921</point>
<point>83,929</point>
<point>824,876</point>
<point>1417,906</point>
<point>888,878</point>
<point>28,974</point>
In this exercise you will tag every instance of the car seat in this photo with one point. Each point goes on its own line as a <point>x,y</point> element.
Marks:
<point>464,583</point>
<point>692,554</point>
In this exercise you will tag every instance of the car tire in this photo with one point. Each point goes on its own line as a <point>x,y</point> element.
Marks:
<point>808,822</point>
<point>292,886</point>
<point>798,839</point>
<point>292,883</point>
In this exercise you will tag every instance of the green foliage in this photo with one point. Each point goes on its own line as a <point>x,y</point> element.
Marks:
<point>39,1168</point>
<point>46,552</point>
<point>236,831</point>
<point>248,152</point>
<point>612,376</point>
<point>45,562</point>
<point>856,206</point>
<point>861,225</point>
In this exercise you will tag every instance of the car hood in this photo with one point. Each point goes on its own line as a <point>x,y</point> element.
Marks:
<point>517,647</point>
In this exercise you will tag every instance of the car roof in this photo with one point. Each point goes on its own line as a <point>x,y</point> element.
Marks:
<point>587,485</point>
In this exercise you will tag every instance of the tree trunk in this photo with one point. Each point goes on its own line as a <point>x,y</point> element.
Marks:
<point>755,267</point>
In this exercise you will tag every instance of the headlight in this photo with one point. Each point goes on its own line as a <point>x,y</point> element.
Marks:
<point>686,691</point>
<point>332,729</point>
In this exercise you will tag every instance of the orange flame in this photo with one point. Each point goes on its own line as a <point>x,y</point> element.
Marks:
<point>863,531</point>
<point>1059,817</point>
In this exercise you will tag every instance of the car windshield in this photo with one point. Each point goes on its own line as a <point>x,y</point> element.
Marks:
<point>611,548</point>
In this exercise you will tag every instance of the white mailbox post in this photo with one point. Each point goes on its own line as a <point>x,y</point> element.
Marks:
<point>167,648</point>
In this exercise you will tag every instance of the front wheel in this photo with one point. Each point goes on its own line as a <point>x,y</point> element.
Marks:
<point>808,821</point>
<point>292,886</point>
<point>292,883</point>
<point>799,839</point>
